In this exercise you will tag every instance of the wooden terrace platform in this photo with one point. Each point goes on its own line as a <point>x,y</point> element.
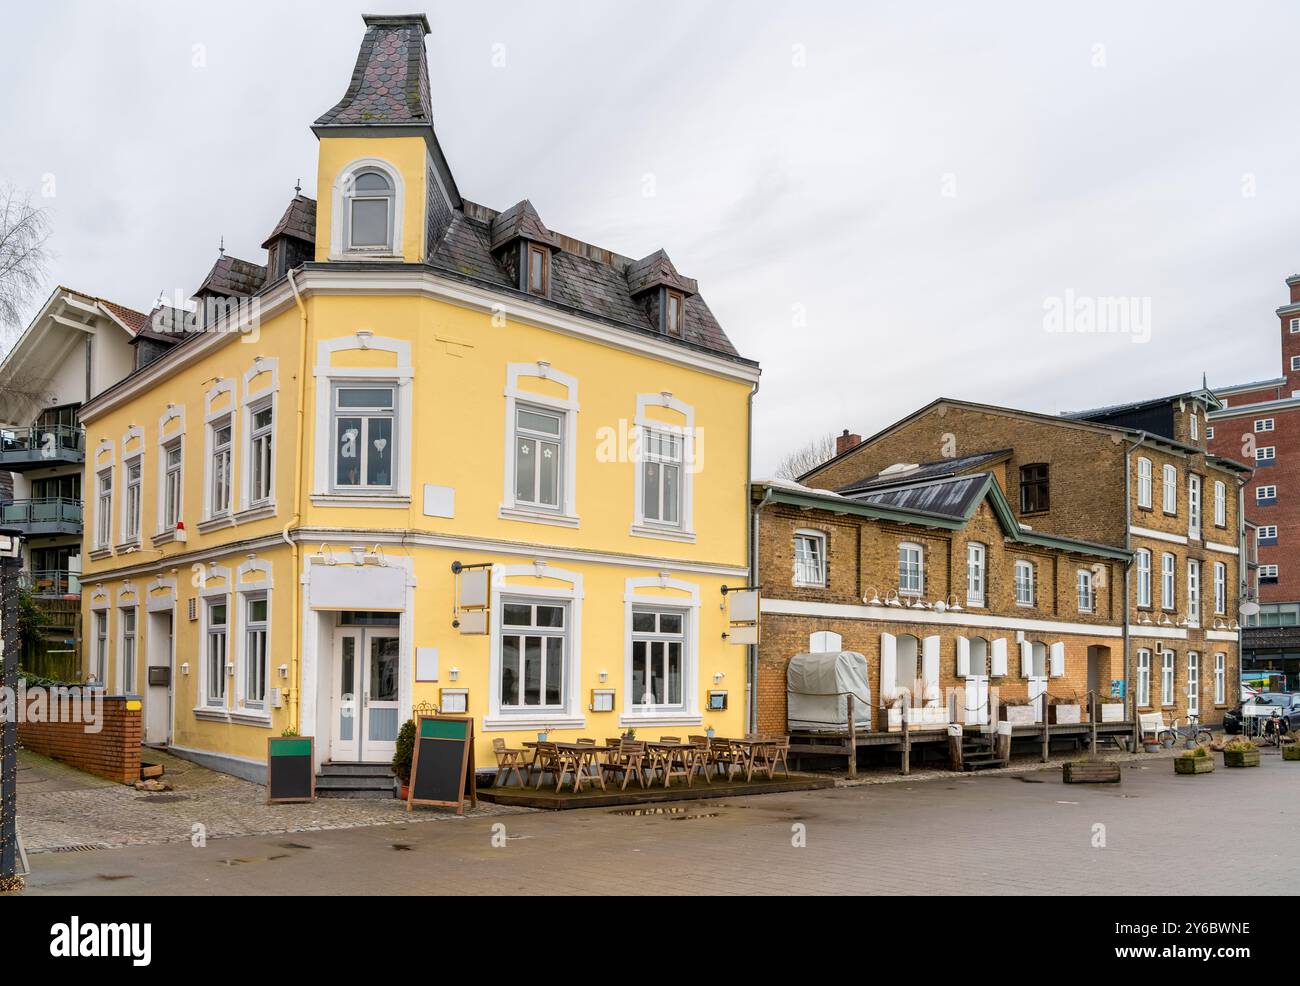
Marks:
<point>593,797</point>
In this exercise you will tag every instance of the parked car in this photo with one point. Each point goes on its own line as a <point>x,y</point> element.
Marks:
<point>1288,702</point>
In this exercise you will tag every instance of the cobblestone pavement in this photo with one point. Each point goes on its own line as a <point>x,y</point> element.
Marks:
<point>61,809</point>
<point>1156,834</point>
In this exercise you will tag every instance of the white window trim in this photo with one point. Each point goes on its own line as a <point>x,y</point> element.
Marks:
<point>1143,597</point>
<point>98,664</point>
<point>977,600</point>
<point>1195,506</point>
<point>133,433</point>
<point>1268,492</point>
<point>244,592</point>
<point>1168,581</point>
<point>207,596</point>
<point>684,530</point>
<point>1023,565</point>
<point>1220,588</point>
<point>689,605</point>
<point>1143,680</point>
<point>1266,531</point>
<point>1268,571</point>
<point>103,526</point>
<point>1295,362</point>
<point>920,564</point>
<point>326,375</point>
<point>126,598</point>
<point>1169,488</point>
<point>1264,424</point>
<point>1145,482</point>
<point>1167,697</point>
<point>820,536</point>
<point>1084,580</point>
<point>173,412</point>
<point>1193,592</point>
<point>567,515</point>
<point>1266,453</point>
<point>1220,503</point>
<point>252,402</point>
<point>339,249</point>
<point>1220,678</point>
<point>570,716</point>
<point>211,419</point>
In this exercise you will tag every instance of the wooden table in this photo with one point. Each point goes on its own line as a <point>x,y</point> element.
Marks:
<point>753,750</point>
<point>585,754</point>
<point>676,762</point>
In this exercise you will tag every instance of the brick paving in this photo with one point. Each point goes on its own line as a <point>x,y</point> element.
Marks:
<point>60,807</point>
<point>1230,832</point>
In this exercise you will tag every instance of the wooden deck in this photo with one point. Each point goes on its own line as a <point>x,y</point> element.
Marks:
<point>593,797</point>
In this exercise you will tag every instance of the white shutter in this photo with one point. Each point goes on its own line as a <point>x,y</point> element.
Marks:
<point>1057,667</point>
<point>963,657</point>
<point>1026,659</point>
<point>888,666</point>
<point>999,657</point>
<point>930,668</point>
<point>825,642</point>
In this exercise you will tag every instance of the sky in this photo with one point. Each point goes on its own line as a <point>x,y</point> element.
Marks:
<point>883,203</point>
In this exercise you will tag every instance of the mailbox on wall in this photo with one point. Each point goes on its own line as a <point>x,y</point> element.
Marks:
<point>160,675</point>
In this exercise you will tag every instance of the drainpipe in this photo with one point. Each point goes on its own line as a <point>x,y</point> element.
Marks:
<point>751,536</point>
<point>1130,679</point>
<point>295,646</point>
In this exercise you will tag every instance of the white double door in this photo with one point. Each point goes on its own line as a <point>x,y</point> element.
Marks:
<point>364,695</point>
<point>977,699</point>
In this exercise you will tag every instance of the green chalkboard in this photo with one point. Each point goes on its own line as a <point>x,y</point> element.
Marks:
<point>290,769</point>
<point>442,766</point>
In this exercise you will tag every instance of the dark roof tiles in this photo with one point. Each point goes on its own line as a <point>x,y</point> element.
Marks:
<point>298,221</point>
<point>231,277</point>
<point>390,83</point>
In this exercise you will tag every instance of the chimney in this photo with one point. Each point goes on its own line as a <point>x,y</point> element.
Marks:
<point>846,441</point>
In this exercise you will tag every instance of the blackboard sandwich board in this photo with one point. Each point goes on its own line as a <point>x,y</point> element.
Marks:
<point>290,769</point>
<point>442,765</point>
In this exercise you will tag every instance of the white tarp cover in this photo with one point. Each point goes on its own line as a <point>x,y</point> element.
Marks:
<point>817,688</point>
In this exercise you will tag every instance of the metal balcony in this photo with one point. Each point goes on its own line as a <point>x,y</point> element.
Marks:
<point>52,583</point>
<point>46,515</point>
<point>39,447</point>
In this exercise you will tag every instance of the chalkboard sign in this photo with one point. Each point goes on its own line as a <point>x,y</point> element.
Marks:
<point>442,766</point>
<point>290,769</point>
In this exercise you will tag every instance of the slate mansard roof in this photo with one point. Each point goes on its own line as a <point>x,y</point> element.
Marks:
<point>390,83</point>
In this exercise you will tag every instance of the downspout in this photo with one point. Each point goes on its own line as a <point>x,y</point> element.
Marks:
<point>1130,677</point>
<point>295,636</point>
<point>751,535</point>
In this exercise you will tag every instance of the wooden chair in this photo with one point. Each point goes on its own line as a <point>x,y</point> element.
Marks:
<point>509,762</point>
<point>659,759</point>
<point>698,758</point>
<point>548,760</point>
<point>626,762</point>
<point>724,755</point>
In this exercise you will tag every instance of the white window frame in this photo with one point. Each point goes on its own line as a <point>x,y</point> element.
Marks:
<point>1268,571</point>
<point>367,414</point>
<point>1142,561</point>
<point>99,660</point>
<point>341,207</point>
<point>1193,592</point>
<point>166,440</point>
<point>1220,678</point>
<point>1087,593</point>
<point>1144,678</point>
<point>252,404</point>
<point>1220,588</point>
<point>911,569</point>
<point>104,508</point>
<point>132,499</point>
<point>1144,483</point>
<point>1166,678</point>
<point>1220,503</point>
<point>567,407</point>
<point>976,573</point>
<point>172,480</point>
<point>1169,488</point>
<point>1295,325</point>
<point>1168,581</point>
<point>635,705</point>
<point>1295,363</point>
<point>1195,422</point>
<point>128,647</point>
<point>1264,424</point>
<point>212,489</point>
<point>685,598</point>
<point>1266,532</point>
<point>798,575</point>
<point>1193,506</point>
<point>642,526</point>
<point>1268,492</point>
<point>1266,453</point>
<point>1024,580</point>
<point>209,596</point>
<point>213,630</point>
<point>327,375</point>
<point>1209,429</point>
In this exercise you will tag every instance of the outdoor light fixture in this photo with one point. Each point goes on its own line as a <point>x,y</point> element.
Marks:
<point>604,676</point>
<point>718,676</point>
<point>875,598</point>
<point>454,673</point>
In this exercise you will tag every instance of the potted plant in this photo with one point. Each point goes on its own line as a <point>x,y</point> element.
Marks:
<point>1018,711</point>
<point>1194,761</point>
<point>629,733</point>
<point>1240,753</point>
<point>402,757</point>
<point>1065,711</point>
<point>542,734</point>
<point>1291,751</point>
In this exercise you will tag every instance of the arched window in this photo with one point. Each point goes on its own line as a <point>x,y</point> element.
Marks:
<point>979,657</point>
<point>911,569</point>
<point>370,211</point>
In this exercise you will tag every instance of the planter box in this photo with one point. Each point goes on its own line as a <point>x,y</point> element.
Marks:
<point>1098,772</point>
<point>1112,712</point>
<point>1291,752</point>
<point>1193,765</point>
<point>1065,715</point>
<point>1241,758</point>
<point>150,771</point>
<point>929,717</point>
<point>1019,715</point>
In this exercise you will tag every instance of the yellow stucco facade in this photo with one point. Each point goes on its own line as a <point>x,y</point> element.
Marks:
<point>397,400</point>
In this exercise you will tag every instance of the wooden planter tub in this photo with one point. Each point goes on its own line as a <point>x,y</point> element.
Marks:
<point>1241,758</point>
<point>1193,765</point>
<point>1091,772</point>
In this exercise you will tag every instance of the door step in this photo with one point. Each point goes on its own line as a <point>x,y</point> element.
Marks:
<point>356,780</point>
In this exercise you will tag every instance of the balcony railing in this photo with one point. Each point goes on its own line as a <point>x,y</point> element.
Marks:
<point>52,582</point>
<point>43,515</point>
<point>42,445</point>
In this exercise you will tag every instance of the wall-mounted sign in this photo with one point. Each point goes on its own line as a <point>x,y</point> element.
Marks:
<point>742,614</point>
<point>473,597</point>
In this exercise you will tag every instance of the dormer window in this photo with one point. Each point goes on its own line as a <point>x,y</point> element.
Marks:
<point>674,313</point>
<point>539,270</point>
<point>370,213</point>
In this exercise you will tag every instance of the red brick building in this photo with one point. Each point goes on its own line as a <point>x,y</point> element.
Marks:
<point>1260,421</point>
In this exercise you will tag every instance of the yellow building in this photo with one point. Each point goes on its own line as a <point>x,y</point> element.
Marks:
<point>429,455</point>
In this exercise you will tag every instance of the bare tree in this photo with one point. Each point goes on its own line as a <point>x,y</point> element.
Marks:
<point>808,456</point>
<point>24,230</point>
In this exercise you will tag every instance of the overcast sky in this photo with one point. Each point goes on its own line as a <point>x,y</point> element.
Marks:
<point>880,201</point>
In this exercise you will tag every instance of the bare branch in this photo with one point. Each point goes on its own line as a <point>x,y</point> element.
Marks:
<point>24,231</point>
<point>810,455</point>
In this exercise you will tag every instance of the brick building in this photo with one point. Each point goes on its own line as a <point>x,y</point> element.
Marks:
<point>931,578</point>
<point>1260,421</point>
<point>1136,477</point>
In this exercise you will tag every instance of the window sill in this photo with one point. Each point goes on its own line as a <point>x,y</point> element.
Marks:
<point>533,721</point>
<point>662,533</point>
<point>99,554</point>
<point>166,537</point>
<point>215,523</point>
<point>395,501</point>
<point>125,546</point>
<point>809,585</point>
<point>212,713</point>
<point>537,516</point>
<point>366,255</point>
<point>258,511</point>
<point>635,719</point>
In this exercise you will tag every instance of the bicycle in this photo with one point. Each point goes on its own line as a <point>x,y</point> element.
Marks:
<point>1172,733</point>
